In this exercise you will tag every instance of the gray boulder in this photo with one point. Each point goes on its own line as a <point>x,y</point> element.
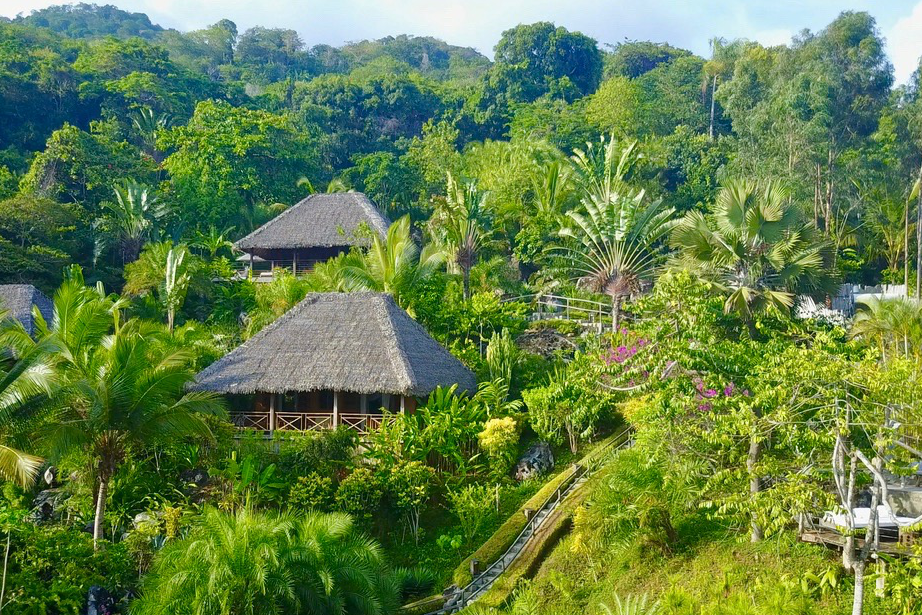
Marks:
<point>99,601</point>
<point>46,507</point>
<point>537,460</point>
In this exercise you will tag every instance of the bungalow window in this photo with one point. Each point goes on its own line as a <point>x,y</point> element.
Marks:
<point>289,402</point>
<point>375,402</point>
<point>324,401</point>
<point>350,403</point>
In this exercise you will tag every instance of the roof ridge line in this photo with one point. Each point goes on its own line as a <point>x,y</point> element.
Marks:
<point>255,232</point>
<point>402,361</point>
<point>371,211</point>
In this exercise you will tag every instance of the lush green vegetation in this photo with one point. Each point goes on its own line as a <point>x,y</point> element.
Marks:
<point>693,200</point>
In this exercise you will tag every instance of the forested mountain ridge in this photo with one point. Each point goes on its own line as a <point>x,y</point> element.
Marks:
<point>606,236</point>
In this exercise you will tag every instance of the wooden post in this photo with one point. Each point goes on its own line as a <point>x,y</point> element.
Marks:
<point>273,397</point>
<point>294,263</point>
<point>335,409</point>
<point>251,265</point>
<point>403,404</point>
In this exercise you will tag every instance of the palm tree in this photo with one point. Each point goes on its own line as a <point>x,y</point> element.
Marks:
<point>755,246</point>
<point>614,243</point>
<point>119,388</point>
<point>131,219</point>
<point>632,605</point>
<point>28,379</point>
<point>175,284</point>
<point>147,123</point>
<point>601,170</point>
<point>254,563</point>
<point>169,271</point>
<point>458,226</point>
<point>895,325</point>
<point>393,265</point>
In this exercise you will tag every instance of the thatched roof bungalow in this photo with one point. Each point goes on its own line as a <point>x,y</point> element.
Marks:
<point>334,359</point>
<point>314,230</point>
<point>20,299</point>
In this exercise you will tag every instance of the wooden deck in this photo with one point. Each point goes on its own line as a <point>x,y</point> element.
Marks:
<point>835,540</point>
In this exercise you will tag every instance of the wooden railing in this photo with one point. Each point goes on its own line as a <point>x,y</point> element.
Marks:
<point>310,421</point>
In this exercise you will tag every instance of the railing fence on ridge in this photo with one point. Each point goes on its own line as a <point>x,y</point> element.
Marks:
<point>465,594</point>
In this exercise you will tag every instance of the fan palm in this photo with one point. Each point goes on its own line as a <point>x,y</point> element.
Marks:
<point>614,243</point>
<point>459,227</point>
<point>392,265</point>
<point>755,246</point>
<point>253,562</point>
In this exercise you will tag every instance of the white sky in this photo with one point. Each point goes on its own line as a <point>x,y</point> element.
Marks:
<point>478,23</point>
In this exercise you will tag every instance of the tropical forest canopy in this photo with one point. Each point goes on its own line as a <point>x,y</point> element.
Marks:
<point>615,238</point>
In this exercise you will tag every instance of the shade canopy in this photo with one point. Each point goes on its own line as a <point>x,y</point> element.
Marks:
<point>349,342</point>
<point>319,221</point>
<point>19,299</point>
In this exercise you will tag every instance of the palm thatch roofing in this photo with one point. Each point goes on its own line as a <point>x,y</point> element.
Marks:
<point>350,342</point>
<point>319,221</point>
<point>19,299</point>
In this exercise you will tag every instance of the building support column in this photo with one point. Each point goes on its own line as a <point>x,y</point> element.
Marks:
<point>403,404</point>
<point>335,409</point>
<point>294,263</point>
<point>273,401</point>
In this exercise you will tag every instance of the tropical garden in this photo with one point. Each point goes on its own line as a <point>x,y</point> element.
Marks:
<point>710,209</point>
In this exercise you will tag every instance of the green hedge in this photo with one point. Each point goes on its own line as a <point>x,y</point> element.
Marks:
<point>499,542</point>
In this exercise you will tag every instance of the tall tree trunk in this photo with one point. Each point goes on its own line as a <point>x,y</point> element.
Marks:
<point>100,511</point>
<point>755,482</point>
<point>906,245</point>
<point>615,312</point>
<point>858,600</point>
<point>466,281</point>
<point>918,245</point>
<point>713,93</point>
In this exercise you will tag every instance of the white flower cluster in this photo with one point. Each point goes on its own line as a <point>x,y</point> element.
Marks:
<point>807,309</point>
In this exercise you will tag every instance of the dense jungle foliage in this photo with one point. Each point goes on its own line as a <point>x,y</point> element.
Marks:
<point>698,202</point>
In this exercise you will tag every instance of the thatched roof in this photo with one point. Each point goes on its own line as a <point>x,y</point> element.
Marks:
<point>319,221</point>
<point>350,342</point>
<point>18,299</point>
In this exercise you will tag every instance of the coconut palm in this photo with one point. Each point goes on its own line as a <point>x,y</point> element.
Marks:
<point>895,325</point>
<point>393,265</point>
<point>614,242</point>
<point>119,388</point>
<point>755,246</point>
<point>25,378</point>
<point>459,227</point>
<point>252,562</point>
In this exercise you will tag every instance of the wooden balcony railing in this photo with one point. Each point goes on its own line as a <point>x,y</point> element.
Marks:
<point>310,421</point>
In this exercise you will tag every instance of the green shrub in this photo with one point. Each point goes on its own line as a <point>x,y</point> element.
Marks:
<point>360,494</point>
<point>474,507</point>
<point>500,441</point>
<point>312,492</point>
<point>409,486</point>
<point>324,452</point>
<point>52,568</point>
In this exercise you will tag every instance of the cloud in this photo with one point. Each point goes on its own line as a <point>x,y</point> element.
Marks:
<point>904,41</point>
